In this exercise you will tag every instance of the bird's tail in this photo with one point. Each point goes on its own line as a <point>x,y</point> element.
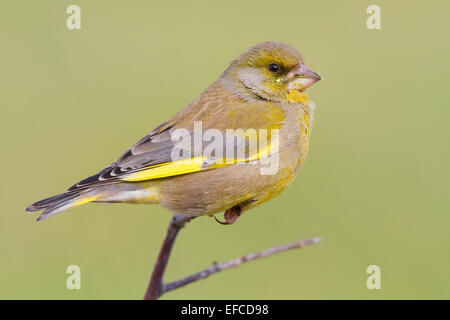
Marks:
<point>60,202</point>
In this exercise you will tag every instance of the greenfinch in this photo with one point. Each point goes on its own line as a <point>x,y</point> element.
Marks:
<point>262,90</point>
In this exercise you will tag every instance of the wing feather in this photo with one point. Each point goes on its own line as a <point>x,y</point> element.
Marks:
<point>150,158</point>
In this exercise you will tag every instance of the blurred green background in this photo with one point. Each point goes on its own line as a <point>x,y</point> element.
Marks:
<point>375,185</point>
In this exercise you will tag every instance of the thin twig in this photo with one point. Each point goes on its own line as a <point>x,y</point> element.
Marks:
<point>157,288</point>
<point>236,263</point>
<point>154,290</point>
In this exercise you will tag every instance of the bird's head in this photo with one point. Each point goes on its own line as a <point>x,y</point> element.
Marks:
<point>271,71</point>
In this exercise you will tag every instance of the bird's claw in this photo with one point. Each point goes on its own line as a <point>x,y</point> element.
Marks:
<point>231,215</point>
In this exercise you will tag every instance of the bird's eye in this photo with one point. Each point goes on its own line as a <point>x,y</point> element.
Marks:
<point>273,67</point>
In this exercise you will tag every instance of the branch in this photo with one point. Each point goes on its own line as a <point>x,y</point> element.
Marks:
<point>154,290</point>
<point>236,263</point>
<point>157,288</point>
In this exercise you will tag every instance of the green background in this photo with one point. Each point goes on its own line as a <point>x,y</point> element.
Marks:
<point>375,185</point>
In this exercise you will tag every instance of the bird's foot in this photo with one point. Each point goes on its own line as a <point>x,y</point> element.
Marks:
<point>231,215</point>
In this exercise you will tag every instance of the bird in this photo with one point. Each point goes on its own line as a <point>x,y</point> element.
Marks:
<point>263,90</point>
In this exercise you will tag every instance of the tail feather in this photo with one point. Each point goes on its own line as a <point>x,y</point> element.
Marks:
<point>45,203</point>
<point>58,203</point>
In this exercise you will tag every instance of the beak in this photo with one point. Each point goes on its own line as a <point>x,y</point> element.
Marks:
<point>302,78</point>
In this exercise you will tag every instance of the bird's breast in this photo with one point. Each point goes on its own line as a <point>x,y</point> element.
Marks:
<point>294,144</point>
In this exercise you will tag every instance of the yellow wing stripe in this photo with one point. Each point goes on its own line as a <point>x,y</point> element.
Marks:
<point>185,166</point>
<point>166,170</point>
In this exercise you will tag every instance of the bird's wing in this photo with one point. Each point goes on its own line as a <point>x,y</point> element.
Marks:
<point>151,157</point>
<point>153,149</point>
